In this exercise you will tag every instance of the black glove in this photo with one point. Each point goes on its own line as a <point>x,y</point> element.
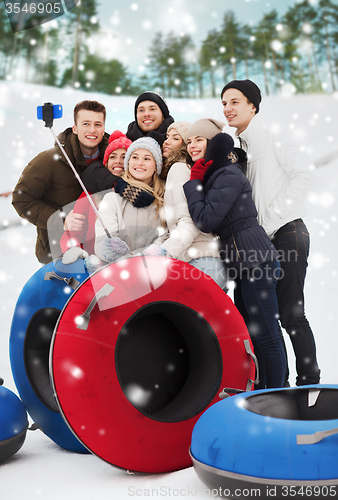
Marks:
<point>219,148</point>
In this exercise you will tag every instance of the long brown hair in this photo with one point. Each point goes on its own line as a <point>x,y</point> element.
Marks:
<point>178,155</point>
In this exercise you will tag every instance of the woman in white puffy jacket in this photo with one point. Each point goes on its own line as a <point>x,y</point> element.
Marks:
<point>186,242</point>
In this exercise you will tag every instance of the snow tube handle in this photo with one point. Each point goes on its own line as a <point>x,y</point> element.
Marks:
<point>225,393</point>
<point>316,437</point>
<point>72,282</point>
<point>85,317</point>
<point>255,360</point>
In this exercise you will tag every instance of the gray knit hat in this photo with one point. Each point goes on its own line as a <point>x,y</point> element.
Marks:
<point>149,144</point>
<point>206,127</point>
<point>181,128</point>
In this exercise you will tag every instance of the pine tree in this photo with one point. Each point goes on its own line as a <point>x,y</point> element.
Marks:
<point>208,57</point>
<point>266,41</point>
<point>99,75</point>
<point>245,45</point>
<point>307,36</point>
<point>82,23</point>
<point>168,64</point>
<point>158,61</point>
<point>230,40</point>
<point>328,16</point>
<point>6,41</point>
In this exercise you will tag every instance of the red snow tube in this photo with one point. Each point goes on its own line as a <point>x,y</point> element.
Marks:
<point>139,352</point>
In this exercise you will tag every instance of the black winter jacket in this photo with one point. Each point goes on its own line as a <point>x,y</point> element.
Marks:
<point>223,204</point>
<point>97,177</point>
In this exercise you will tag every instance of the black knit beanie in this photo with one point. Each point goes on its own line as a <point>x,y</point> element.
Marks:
<point>248,88</point>
<point>154,97</point>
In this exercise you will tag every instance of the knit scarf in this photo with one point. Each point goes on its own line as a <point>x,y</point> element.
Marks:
<point>134,132</point>
<point>136,196</point>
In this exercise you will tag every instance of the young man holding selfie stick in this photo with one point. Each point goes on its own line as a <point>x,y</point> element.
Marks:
<point>48,183</point>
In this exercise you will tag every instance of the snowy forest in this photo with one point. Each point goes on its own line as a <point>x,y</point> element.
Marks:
<point>298,48</point>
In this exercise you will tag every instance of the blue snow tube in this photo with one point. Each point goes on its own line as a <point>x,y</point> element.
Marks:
<point>36,313</point>
<point>13,423</point>
<point>275,442</point>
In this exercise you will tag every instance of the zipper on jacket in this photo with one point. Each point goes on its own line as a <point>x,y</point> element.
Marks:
<point>233,239</point>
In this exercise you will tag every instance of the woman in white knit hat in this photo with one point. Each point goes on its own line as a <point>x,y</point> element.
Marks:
<point>186,242</point>
<point>132,214</point>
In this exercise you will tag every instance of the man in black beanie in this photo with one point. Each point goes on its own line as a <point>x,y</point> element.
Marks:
<point>280,176</point>
<point>249,97</point>
<point>151,115</point>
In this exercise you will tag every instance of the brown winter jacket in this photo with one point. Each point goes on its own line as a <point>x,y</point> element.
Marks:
<point>48,184</point>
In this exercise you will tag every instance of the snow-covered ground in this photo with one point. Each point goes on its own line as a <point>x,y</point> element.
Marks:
<point>43,470</point>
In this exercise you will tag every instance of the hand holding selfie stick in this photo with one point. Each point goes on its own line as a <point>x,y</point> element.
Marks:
<point>47,114</point>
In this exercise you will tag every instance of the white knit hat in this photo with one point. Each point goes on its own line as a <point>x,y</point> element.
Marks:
<point>150,145</point>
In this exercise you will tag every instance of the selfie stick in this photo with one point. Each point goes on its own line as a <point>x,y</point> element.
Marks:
<point>48,119</point>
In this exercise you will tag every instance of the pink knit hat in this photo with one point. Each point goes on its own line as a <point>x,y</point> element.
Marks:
<point>117,140</point>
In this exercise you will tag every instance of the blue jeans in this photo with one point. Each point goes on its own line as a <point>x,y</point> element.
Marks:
<point>292,242</point>
<point>213,267</point>
<point>256,299</point>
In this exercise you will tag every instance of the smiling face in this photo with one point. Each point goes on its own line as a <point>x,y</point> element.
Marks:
<point>173,141</point>
<point>115,163</point>
<point>89,128</point>
<point>237,109</point>
<point>197,147</point>
<point>149,116</point>
<point>142,165</point>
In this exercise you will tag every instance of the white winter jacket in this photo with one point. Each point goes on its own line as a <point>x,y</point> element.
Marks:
<point>280,175</point>
<point>186,241</point>
<point>138,227</point>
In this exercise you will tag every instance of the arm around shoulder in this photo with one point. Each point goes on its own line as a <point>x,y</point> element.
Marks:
<point>96,177</point>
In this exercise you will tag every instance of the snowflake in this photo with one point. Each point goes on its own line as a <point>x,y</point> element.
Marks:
<point>147,25</point>
<point>317,260</point>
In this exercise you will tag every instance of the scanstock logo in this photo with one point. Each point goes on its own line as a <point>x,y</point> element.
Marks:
<point>24,14</point>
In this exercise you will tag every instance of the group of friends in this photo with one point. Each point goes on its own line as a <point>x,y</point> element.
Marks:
<point>183,190</point>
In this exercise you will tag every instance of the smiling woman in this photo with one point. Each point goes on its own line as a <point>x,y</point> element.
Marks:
<point>197,147</point>
<point>132,214</point>
<point>142,166</point>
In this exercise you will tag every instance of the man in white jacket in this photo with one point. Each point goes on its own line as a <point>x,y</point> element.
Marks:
<point>280,177</point>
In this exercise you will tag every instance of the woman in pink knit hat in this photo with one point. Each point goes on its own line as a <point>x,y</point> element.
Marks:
<point>115,153</point>
<point>77,244</point>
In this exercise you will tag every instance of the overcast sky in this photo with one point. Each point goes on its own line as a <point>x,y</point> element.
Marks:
<point>132,24</point>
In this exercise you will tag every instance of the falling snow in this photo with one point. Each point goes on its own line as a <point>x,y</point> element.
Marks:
<point>47,471</point>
